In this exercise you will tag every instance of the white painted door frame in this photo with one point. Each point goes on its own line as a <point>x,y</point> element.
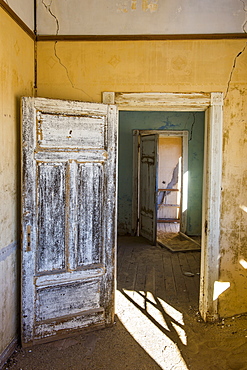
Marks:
<point>212,105</point>
<point>136,178</point>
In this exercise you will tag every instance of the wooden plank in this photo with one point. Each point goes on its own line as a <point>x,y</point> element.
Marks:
<point>126,256</point>
<point>163,101</point>
<point>191,287</point>
<point>160,286</point>
<point>171,290</point>
<point>131,275</point>
<point>182,293</point>
<point>153,37</point>
<point>194,260</point>
<point>141,275</point>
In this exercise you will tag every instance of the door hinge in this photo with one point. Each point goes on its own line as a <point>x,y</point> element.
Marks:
<point>28,238</point>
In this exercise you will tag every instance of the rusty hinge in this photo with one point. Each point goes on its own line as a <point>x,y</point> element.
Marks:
<point>28,238</point>
<point>206,227</point>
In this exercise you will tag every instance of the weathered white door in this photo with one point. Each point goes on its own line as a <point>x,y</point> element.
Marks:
<point>148,187</point>
<point>68,217</point>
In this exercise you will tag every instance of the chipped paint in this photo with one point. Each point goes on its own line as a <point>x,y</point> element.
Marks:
<point>68,224</point>
<point>148,180</point>
<point>133,4</point>
<point>150,5</point>
<point>7,251</point>
<point>145,5</point>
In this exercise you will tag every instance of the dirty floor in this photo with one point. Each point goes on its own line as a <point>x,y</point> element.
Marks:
<point>157,322</point>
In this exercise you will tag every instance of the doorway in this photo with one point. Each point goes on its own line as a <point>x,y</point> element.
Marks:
<point>169,183</point>
<point>212,105</point>
<point>160,180</point>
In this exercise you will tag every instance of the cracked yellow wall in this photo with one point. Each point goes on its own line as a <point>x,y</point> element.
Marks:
<point>16,77</point>
<point>82,70</point>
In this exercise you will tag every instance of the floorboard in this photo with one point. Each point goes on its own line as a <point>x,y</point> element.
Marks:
<point>144,268</point>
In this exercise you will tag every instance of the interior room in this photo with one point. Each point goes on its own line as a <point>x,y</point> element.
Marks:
<point>100,103</point>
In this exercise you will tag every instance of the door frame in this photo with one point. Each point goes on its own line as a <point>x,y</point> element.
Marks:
<point>212,104</point>
<point>136,178</point>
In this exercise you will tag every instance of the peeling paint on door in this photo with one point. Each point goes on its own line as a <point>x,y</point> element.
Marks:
<point>69,212</point>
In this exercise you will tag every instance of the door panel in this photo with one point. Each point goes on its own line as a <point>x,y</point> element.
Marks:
<point>148,186</point>
<point>82,296</point>
<point>51,205</point>
<point>90,206</point>
<point>68,217</point>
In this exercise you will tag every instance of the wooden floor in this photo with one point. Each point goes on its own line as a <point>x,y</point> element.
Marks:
<point>173,277</point>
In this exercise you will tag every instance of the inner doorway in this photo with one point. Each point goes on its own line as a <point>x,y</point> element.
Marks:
<point>169,207</point>
<point>160,180</point>
<point>169,183</point>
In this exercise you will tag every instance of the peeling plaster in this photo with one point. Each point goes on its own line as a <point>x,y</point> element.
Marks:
<point>7,251</point>
<point>149,5</point>
<point>146,5</point>
<point>48,8</point>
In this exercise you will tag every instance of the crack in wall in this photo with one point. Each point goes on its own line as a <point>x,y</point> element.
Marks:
<point>67,72</point>
<point>245,10</point>
<point>233,68</point>
<point>192,126</point>
<point>48,8</point>
<point>238,55</point>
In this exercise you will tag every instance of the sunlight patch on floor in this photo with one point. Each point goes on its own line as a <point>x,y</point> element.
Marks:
<point>219,288</point>
<point>243,263</point>
<point>155,325</point>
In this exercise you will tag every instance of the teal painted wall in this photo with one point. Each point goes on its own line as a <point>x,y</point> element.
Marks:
<point>178,121</point>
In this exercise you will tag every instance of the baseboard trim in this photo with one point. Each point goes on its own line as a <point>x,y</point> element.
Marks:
<point>4,356</point>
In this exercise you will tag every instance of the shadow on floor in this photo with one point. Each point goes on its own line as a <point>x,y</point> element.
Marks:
<point>163,287</point>
<point>111,348</point>
<point>157,322</point>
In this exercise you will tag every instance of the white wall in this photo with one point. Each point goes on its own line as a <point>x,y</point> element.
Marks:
<point>24,9</point>
<point>114,17</point>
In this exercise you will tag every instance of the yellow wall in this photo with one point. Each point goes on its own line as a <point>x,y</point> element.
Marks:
<point>16,77</point>
<point>82,70</point>
<point>136,66</point>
